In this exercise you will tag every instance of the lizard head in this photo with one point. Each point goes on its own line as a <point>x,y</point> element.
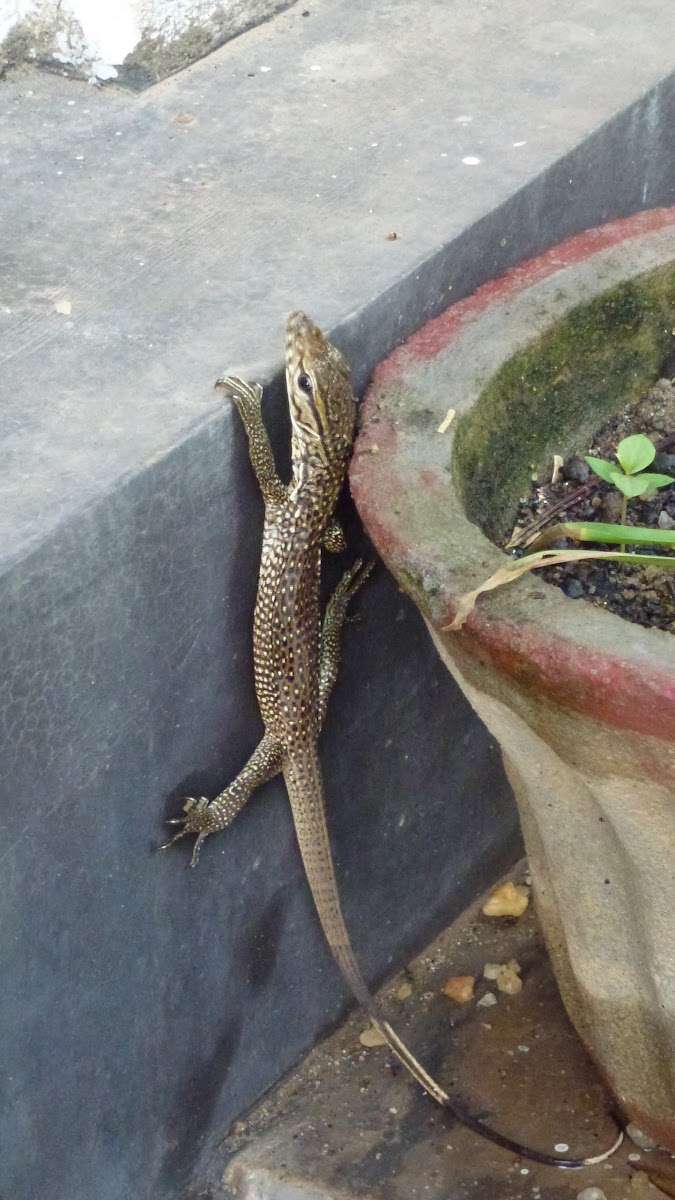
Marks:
<point>320,397</point>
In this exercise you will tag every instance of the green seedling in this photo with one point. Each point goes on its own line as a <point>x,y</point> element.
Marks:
<point>634,454</point>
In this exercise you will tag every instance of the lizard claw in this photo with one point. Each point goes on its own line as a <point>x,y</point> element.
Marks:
<point>194,821</point>
<point>356,577</point>
<point>246,396</point>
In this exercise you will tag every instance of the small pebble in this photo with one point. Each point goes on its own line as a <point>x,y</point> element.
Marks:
<point>576,470</point>
<point>641,1185</point>
<point>591,1193</point>
<point>572,588</point>
<point>510,982</point>
<point>487,1000</point>
<point>639,1138</point>
<point>371,1036</point>
<point>610,509</point>
<point>506,901</point>
<point>459,988</point>
<point>663,463</point>
<point>665,521</point>
<point>492,970</point>
<point>561,1147</point>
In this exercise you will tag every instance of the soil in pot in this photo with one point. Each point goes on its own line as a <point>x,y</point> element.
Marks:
<point>642,594</point>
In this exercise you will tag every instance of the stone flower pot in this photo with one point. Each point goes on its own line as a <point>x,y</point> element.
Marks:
<point>581,701</point>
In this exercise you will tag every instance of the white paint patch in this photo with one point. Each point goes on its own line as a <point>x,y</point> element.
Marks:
<point>520,143</point>
<point>470,160</point>
<point>103,70</point>
<point>97,35</point>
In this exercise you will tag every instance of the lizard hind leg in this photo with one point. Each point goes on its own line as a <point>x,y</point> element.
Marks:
<point>203,817</point>
<point>333,622</point>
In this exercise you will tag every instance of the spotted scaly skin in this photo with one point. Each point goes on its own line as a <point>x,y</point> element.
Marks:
<point>296,658</point>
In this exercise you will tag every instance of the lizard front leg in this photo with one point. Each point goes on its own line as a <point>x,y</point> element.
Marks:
<point>247,398</point>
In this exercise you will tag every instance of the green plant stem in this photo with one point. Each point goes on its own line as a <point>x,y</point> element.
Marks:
<point>624,511</point>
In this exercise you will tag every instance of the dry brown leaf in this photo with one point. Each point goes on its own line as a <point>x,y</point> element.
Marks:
<point>509,574</point>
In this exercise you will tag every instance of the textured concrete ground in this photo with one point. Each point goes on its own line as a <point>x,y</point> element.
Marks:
<point>350,1124</point>
<point>149,243</point>
<point>183,224</point>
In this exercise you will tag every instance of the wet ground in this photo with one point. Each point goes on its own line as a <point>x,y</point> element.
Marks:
<point>351,1123</point>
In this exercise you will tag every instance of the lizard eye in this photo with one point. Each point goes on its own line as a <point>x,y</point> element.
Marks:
<point>304,382</point>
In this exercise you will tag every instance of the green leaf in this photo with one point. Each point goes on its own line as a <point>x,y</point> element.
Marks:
<point>604,469</point>
<point>596,531</point>
<point>630,485</point>
<point>635,453</point>
<point>654,481</point>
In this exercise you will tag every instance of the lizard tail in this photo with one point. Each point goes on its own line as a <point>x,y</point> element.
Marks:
<point>302,773</point>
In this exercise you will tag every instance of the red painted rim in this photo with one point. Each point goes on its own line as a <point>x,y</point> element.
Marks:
<point>615,690</point>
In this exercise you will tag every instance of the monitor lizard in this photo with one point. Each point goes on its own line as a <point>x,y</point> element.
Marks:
<point>296,657</point>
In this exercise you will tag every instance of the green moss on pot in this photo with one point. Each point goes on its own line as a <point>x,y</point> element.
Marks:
<point>553,396</point>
